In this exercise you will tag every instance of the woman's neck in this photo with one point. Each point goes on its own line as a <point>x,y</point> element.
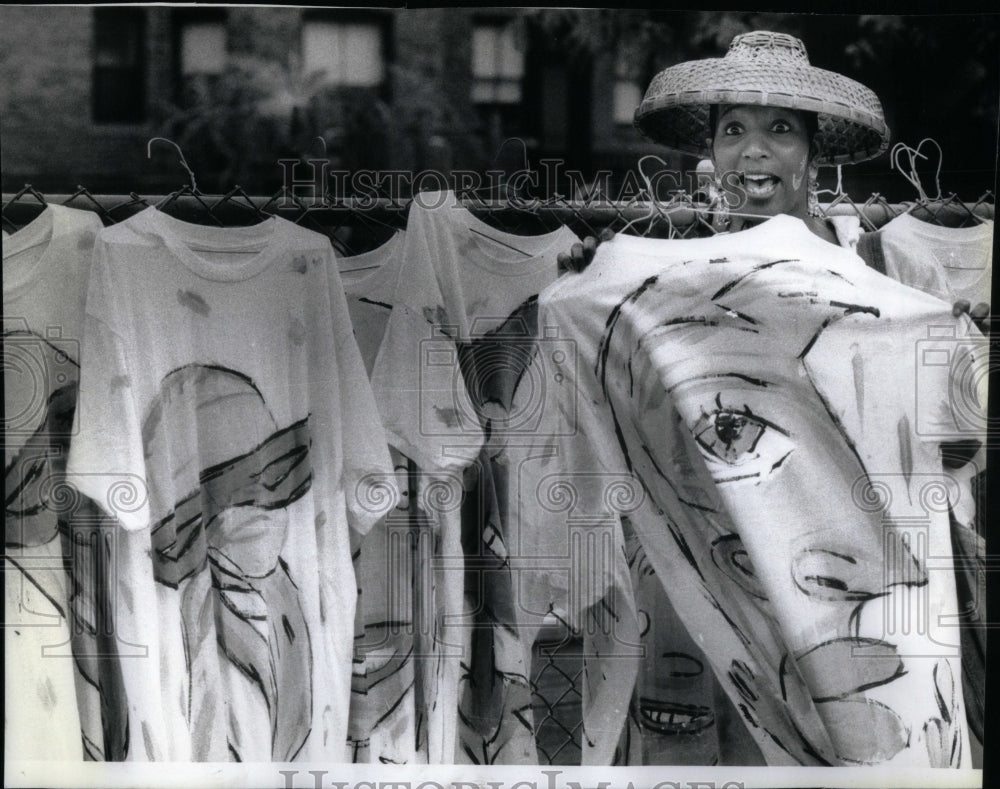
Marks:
<point>818,225</point>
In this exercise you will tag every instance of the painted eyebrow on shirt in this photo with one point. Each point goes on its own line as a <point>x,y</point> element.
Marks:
<point>760,267</point>
<point>758,382</point>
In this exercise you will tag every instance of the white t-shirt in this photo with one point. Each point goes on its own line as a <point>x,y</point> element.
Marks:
<point>404,703</point>
<point>45,267</point>
<point>780,407</point>
<point>949,262</point>
<point>462,310</point>
<point>459,279</point>
<point>226,421</point>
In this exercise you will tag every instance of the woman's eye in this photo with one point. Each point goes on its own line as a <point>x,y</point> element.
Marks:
<point>781,127</point>
<point>732,128</point>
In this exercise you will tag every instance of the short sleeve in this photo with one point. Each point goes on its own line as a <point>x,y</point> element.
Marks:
<point>369,482</point>
<point>106,460</point>
<point>417,379</point>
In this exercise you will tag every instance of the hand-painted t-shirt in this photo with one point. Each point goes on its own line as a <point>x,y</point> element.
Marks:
<point>404,700</point>
<point>781,407</point>
<point>464,310</point>
<point>226,421</point>
<point>45,267</point>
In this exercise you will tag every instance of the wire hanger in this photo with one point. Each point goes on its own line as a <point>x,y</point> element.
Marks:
<point>526,166</point>
<point>654,211</point>
<point>180,153</point>
<point>188,190</point>
<point>947,212</point>
<point>513,200</point>
<point>839,195</point>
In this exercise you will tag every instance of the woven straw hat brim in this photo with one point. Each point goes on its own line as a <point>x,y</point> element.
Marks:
<point>675,109</point>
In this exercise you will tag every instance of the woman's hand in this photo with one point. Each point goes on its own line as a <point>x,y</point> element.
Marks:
<point>582,253</point>
<point>980,314</point>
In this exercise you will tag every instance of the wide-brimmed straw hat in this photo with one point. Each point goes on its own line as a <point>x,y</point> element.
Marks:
<point>769,69</point>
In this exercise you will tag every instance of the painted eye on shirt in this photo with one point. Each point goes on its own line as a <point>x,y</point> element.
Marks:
<point>731,438</point>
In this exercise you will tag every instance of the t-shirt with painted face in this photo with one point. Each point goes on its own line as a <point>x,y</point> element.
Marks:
<point>45,267</point>
<point>779,407</point>
<point>404,691</point>
<point>226,421</point>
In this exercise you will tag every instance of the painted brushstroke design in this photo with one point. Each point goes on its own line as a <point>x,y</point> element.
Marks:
<point>814,705</point>
<point>495,718</point>
<point>40,394</point>
<point>221,475</point>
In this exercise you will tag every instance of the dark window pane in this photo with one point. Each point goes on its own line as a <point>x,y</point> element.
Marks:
<point>119,75</point>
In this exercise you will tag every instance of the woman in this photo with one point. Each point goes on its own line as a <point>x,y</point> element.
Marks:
<point>767,119</point>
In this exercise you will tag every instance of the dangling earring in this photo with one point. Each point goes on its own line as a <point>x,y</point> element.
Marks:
<point>720,208</point>
<point>812,195</point>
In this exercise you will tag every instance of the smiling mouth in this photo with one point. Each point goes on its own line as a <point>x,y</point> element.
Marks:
<point>760,186</point>
<point>666,717</point>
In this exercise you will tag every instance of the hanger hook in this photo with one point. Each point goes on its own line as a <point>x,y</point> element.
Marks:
<point>645,178</point>
<point>180,153</point>
<point>322,142</point>
<point>901,148</point>
<point>937,172</point>
<point>524,151</point>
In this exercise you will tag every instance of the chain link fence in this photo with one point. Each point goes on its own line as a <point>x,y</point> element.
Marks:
<point>359,225</point>
<point>356,225</point>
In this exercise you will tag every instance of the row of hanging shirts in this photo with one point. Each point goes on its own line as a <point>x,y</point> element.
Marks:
<point>307,463</point>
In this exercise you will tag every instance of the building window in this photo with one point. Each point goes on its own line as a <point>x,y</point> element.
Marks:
<point>627,89</point>
<point>119,72</point>
<point>203,48</point>
<point>497,64</point>
<point>346,53</point>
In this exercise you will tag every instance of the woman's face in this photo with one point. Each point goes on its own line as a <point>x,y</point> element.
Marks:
<point>768,148</point>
